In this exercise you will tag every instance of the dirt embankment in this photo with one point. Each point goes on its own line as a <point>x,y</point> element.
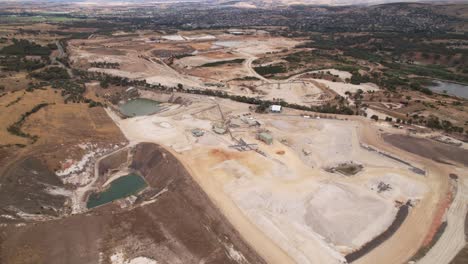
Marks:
<point>430,149</point>
<point>181,226</point>
<point>24,188</point>
<point>399,219</point>
<point>112,162</point>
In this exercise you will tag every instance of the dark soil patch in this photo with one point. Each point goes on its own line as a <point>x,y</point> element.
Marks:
<point>436,151</point>
<point>178,51</point>
<point>112,162</point>
<point>462,256</point>
<point>24,187</point>
<point>347,169</point>
<point>106,51</point>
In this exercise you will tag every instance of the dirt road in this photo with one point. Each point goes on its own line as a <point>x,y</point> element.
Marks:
<point>406,241</point>
<point>61,55</point>
<point>453,238</point>
<point>248,65</point>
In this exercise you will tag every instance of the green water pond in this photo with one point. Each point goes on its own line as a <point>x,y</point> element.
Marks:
<point>119,188</point>
<point>139,107</point>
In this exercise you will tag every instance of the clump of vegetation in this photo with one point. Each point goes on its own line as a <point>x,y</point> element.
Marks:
<point>434,123</point>
<point>24,47</point>
<point>32,86</point>
<point>219,63</point>
<point>51,73</point>
<point>16,63</point>
<point>15,128</point>
<point>180,56</point>
<point>105,65</point>
<point>72,91</point>
<point>246,78</point>
<point>270,70</point>
<point>14,102</point>
<point>357,78</point>
<point>347,169</point>
<point>52,46</point>
<point>91,103</point>
<point>432,71</point>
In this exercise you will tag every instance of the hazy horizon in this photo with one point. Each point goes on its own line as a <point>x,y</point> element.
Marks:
<point>284,2</point>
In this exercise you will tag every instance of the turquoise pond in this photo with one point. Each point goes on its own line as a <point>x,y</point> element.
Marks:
<point>119,188</point>
<point>139,107</point>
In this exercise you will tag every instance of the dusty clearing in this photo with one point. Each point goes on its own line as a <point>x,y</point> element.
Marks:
<point>277,201</point>
<point>220,61</point>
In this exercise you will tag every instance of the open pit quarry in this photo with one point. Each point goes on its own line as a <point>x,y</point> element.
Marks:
<point>296,200</point>
<point>207,180</point>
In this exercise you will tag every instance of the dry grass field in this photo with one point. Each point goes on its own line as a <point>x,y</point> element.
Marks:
<point>13,81</point>
<point>11,112</point>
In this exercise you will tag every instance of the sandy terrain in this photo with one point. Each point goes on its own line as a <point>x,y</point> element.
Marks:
<point>406,241</point>
<point>294,92</point>
<point>140,59</point>
<point>453,238</point>
<point>342,88</point>
<point>133,64</point>
<point>277,201</point>
<point>341,74</point>
<point>255,45</point>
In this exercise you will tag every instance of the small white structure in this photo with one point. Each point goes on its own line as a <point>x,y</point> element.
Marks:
<point>275,108</point>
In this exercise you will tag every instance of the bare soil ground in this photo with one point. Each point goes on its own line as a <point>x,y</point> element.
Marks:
<point>287,206</point>
<point>24,189</point>
<point>406,241</point>
<point>14,81</point>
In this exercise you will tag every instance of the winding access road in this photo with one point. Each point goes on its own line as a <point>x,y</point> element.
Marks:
<point>453,238</point>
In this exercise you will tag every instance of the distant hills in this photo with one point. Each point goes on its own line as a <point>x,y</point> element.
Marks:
<point>242,3</point>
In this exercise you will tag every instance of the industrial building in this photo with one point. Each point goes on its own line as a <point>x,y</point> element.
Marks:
<point>265,137</point>
<point>275,108</point>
